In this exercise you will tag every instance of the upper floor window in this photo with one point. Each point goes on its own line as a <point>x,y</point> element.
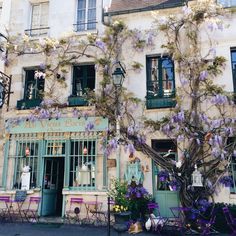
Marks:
<point>233,63</point>
<point>160,82</point>
<point>83,79</point>
<point>34,84</point>
<point>86,15</point>
<point>227,3</point>
<point>39,19</point>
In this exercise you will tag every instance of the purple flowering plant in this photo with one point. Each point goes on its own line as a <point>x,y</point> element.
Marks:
<point>163,175</point>
<point>138,199</point>
<point>227,181</point>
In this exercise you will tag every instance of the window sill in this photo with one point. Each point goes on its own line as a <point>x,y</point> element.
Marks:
<point>76,192</point>
<point>153,103</point>
<point>28,104</point>
<point>77,101</point>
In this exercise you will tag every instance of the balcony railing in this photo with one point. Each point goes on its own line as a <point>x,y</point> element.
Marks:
<point>43,31</point>
<point>78,27</point>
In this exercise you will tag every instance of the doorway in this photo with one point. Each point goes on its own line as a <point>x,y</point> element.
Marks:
<point>164,195</point>
<point>53,180</point>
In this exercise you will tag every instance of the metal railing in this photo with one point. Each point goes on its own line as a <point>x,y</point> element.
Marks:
<point>91,25</point>
<point>37,31</point>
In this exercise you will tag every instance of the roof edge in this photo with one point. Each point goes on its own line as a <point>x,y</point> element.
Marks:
<point>163,5</point>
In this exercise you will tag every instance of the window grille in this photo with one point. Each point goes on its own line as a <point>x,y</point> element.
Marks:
<point>83,163</point>
<point>25,153</point>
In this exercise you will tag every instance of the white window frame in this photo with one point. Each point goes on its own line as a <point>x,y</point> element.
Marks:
<point>40,30</point>
<point>84,27</point>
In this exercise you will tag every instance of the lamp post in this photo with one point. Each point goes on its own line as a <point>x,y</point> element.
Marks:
<point>118,78</point>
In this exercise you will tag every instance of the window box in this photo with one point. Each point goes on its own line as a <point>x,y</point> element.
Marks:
<point>153,103</point>
<point>77,101</point>
<point>27,104</point>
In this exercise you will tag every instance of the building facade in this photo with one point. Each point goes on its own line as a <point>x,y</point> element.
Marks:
<point>65,157</point>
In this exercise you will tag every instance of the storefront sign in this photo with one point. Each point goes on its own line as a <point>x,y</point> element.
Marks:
<point>61,125</point>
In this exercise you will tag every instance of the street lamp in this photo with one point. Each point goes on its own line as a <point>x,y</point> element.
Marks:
<point>118,78</point>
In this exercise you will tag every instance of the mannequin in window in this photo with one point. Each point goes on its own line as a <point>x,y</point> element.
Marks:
<point>83,175</point>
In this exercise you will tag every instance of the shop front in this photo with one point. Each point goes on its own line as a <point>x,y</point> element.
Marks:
<point>55,160</point>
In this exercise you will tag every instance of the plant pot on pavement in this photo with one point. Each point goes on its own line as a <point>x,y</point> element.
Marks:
<point>121,221</point>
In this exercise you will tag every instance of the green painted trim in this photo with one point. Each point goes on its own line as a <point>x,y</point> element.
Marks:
<point>67,164</point>
<point>105,180</point>
<point>14,168</point>
<point>5,165</point>
<point>40,164</point>
<point>63,210</point>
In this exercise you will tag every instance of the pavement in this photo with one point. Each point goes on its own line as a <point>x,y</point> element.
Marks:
<point>49,229</point>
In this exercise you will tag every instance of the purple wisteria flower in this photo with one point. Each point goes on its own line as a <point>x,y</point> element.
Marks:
<point>130,148</point>
<point>203,75</point>
<point>163,175</point>
<point>75,113</point>
<point>203,205</point>
<point>100,44</point>
<point>175,185</point>
<point>219,99</point>
<point>136,191</point>
<point>89,126</point>
<point>141,139</point>
<point>227,181</point>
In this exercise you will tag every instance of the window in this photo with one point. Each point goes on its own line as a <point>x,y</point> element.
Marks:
<point>233,63</point>
<point>26,155</point>
<point>83,79</point>
<point>83,164</point>
<point>39,19</point>
<point>227,3</point>
<point>33,90</point>
<point>34,84</point>
<point>160,82</point>
<point>86,15</point>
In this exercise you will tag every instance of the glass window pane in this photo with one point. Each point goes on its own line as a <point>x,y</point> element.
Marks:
<point>82,164</point>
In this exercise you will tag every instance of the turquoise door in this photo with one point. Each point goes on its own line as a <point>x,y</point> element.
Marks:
<point>163,193</point>
<point>52,186</point>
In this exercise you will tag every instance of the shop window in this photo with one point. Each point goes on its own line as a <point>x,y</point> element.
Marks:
<point>86,15</point>
<point>26,156</point>
<point>233,64</point>
<point>166,148</point>
<point>160,82</point>
<point>83,80</point>
<point>83,164</point>
<point>39,19</point>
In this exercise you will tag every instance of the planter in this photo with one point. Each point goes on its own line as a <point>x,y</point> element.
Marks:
<point>121,221</point>
<point>122,217</point>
